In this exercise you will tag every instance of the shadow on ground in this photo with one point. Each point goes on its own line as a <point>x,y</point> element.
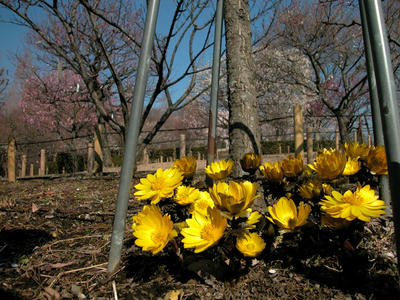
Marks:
<point>17,243</point>
<point>331,259</point>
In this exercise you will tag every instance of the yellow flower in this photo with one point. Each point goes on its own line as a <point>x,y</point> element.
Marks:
<point>376,161</point>
<point>307,171</point>
<point>186,195</point>
<point>329,163</point>
<point>362,204</point>
<point>327,188</point>
<point>159,185</point>
<point>292,166</point>
<point>356,150</point>
<point>202,203</point>
<point>253,219</point>
<point>250,244</point>
<point>219,170</point>
<point>152,230</point>
<point>272,171</point>
<point>203,231</point>
<point>234,198</point>
<point>285,215</point>
<point>334,223</point>
<point>250,162</point>
<point>187,165</point>
<point>311,189</point>
<point>353,165</point>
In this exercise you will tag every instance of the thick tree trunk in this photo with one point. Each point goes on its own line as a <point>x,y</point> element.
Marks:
<point>244,128</point>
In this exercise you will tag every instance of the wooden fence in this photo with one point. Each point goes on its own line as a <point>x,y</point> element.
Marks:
<point>95,157</point>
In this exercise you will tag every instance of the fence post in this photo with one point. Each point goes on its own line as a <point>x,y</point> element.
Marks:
<point>98,153</point>
<point>389,111</point>
<point>384,189</point>
<point>360,132</point>
<point>280,149</point>
<point>11,159</point>
<point>23,166</point>
<point>309,145</point>
<point>298,130</point>
<point>212,121</point>
<point>31,169</point>
<point>129,160</point>
<point>42,167</point>
<point>317,140</point>
<point>145,156</point>
<point>182,150</point>
<point>337,138</point>
<point>90,159</point>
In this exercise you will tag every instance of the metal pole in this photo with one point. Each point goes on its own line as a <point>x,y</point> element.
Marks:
<point>132,137</point>
<point>212,124</point>
<point>387,104</point>
<point>384,190</point>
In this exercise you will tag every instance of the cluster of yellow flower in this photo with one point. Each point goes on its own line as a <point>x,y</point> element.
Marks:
<point>226,206</point>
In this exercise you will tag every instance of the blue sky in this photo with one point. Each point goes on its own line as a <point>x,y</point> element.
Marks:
<point>12,36</point>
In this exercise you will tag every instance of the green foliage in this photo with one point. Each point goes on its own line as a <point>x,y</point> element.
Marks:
<point>3,161</point>
<point>272,147</point>
<point>202,150</point>
<point>52,165</point>
<point>156,154</point>
<point>324,144</point>
<point>116,158</point>
<point>65,160</point>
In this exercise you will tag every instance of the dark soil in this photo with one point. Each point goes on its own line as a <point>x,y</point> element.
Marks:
<point>55,238</point>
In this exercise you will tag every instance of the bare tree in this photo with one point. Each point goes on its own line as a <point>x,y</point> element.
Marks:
<point>3,85</point>
<point>328,34</point>
<point>97,39</point>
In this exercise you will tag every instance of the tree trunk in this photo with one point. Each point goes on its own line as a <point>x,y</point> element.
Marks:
<point>244,129</point>
<point>107,161</point>
<point>343,130</point>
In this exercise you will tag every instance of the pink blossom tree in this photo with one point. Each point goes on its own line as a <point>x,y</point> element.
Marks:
<point>58,103</point>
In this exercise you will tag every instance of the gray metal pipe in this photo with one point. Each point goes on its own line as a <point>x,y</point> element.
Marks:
<point>129,160</point>
<point>384,189</point>
<point>212,124</point>
<point>387,103</point>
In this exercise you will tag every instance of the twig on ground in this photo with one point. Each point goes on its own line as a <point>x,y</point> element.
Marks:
<point>114,286</point>
<point>76,270</point>
<point>80,237</point>
<point>84,268</point>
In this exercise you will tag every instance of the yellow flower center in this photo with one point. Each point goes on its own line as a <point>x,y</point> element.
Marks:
<point>157,237</point>
<point>157,184</point>
<point>202,204</point>
<point>250,246</point>
<point>184,195</point>
<point>353,199</point>
<point>208,233</point>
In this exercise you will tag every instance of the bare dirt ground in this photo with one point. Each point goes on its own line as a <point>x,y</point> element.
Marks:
<point>55,238</point>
